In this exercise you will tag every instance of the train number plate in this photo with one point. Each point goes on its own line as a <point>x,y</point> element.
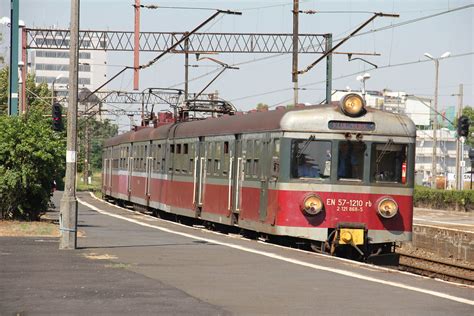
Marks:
<point>348,236</point>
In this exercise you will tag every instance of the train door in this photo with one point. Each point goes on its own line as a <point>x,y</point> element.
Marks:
<point>148,170</point>
<point>105,176</point>
<point>129,175</point>
<point>199,172</point>
<point>229,162</point>
<point>108,176</point>
<point>238,176</point>
<point>265,157</point>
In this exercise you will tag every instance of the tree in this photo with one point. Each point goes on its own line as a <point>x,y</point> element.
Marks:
<point>31,157</point>
<point>98,132</point>
<point>37,95</point>
<point>2,59</point>
<point>469,112</point>
<point>262,107</point>
<point>3,90</point>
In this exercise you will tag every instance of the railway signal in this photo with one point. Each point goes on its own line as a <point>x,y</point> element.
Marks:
<point>463,126</point>
<point>57,117</point>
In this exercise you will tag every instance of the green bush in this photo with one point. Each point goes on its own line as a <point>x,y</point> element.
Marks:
<point>444,199</point>
<point>31,157</point>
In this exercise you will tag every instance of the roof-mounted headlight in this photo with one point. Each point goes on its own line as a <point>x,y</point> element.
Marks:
<point>352,105</point>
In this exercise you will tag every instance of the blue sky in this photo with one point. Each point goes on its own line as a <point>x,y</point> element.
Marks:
<point>251,84</point>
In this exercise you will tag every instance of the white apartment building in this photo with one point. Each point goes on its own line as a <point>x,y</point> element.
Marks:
<point>53,66</point>
<point>445,153</point>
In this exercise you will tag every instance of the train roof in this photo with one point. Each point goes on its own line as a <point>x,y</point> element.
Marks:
<point>313,118</point>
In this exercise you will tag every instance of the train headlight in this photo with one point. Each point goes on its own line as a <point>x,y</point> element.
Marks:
<point>387,207</point>
<point>352,105</point>
<point>312,205</point>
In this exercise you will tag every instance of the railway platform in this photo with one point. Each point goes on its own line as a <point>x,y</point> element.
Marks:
<point>447,234</point>
<point>129,262</point>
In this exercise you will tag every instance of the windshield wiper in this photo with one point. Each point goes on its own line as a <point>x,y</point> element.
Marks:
<point>384,150</point>
<point>305,145</point>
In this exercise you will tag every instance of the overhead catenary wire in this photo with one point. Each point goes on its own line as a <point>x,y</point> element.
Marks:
<point>348,75</point>
<point>392,26</point>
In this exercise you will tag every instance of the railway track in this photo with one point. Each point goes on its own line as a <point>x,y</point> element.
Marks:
<point>436,268</point>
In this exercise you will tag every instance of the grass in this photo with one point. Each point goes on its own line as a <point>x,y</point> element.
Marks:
<point>94,186</point>
<point>28,229</point>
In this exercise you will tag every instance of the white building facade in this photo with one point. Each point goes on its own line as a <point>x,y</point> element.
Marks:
<point>52,66</point>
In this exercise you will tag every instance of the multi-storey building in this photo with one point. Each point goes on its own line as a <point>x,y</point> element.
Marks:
<point>52,66</point>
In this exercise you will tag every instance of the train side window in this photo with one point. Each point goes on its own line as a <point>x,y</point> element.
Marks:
<point>217,167</point>
<point>185,149</point>
<point>226,148</point>
<point>350,160</point>
<point>388,163</point>
<point>310,159</point>
<point>248,168</point>
<point>172,148</point>
<point>178,148</point>
<point>209,167</point>
<point>256,168</point>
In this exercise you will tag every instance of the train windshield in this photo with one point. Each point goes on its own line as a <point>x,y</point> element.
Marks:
<point>310,158</point>
<point>388,162</point>
<point>350,160</point>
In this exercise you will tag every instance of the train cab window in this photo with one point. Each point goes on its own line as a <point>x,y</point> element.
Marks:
<point>350,160</point>
<point>388,163</point>
<point>310,159</point>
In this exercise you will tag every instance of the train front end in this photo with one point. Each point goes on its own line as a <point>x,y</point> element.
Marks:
<point>347,177</point>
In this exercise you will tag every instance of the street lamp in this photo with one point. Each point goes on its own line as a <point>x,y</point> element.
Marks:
<point>52,87</point>
<point>363,78</point>
<point>435,121</point>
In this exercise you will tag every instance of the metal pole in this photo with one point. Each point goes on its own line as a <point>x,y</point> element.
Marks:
<point>13,84</point>
<point>24,71</point>
<point>52,92</point>
<point>294,71</point>
<point>459,145</point>
<point>461,177</point>
<point>68,211</point>
<point>186,69</point>
<point>136,47</point>
<point>328,69</point>
<point>86,153</point>
<point>435,127</point>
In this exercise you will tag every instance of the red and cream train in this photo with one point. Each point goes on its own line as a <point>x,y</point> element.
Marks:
<point>338,175</point>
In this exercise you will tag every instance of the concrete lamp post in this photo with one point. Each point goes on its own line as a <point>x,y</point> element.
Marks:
<point>52,87</point>
<point>435,120</point>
